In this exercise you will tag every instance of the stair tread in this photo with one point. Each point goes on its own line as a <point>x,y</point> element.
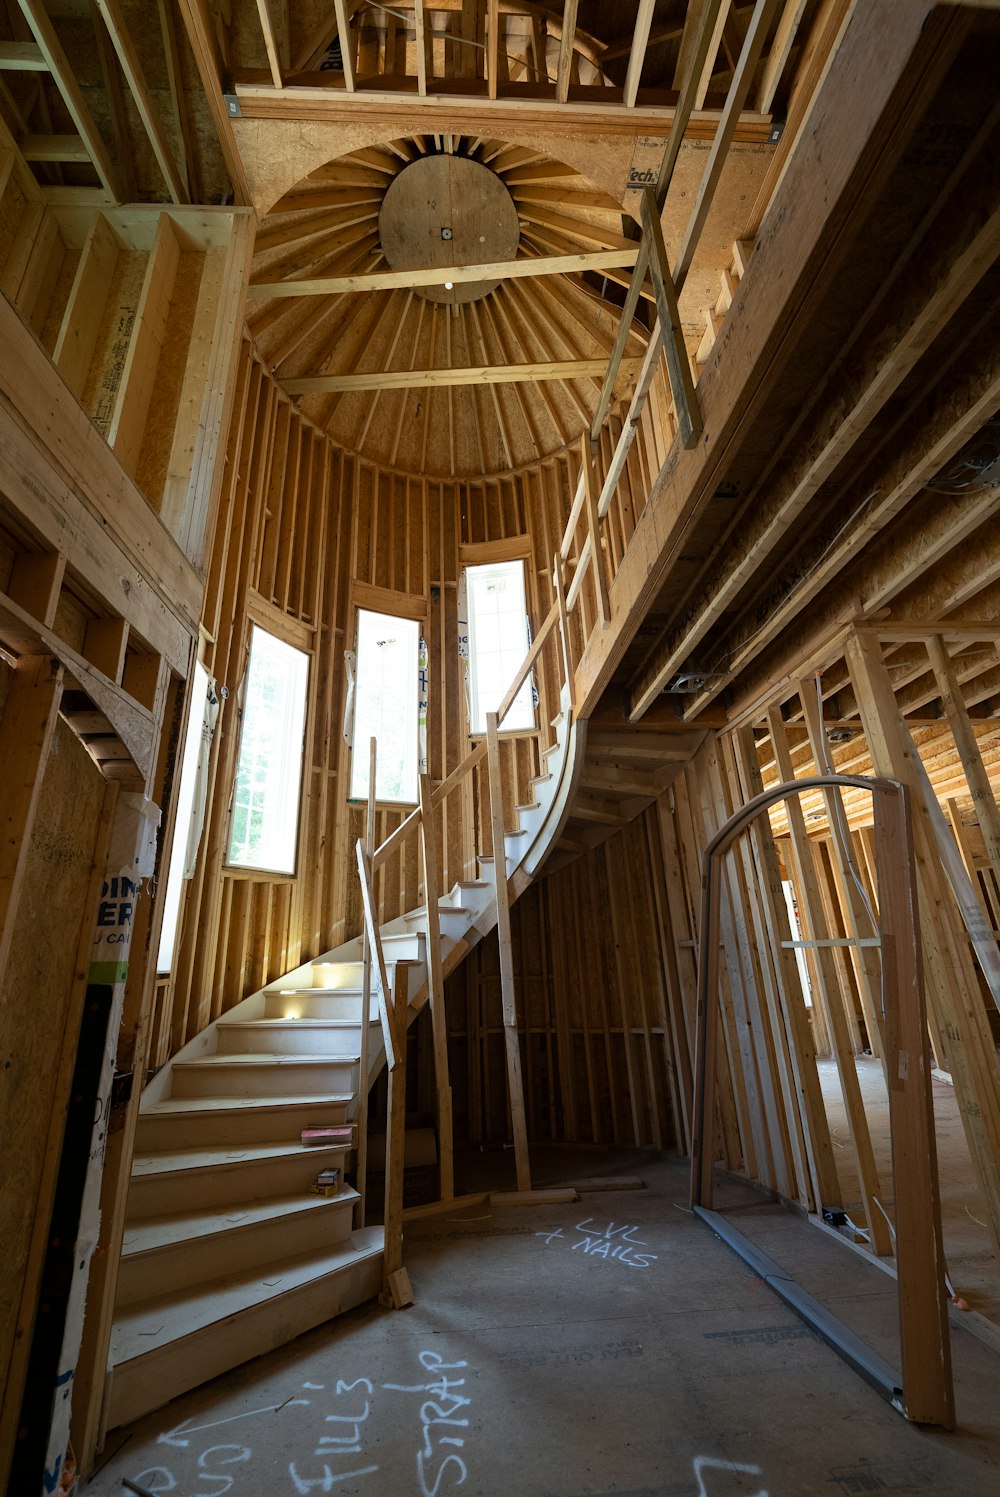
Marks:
<point>446,909</point>
<point>156,1322</point>
<point>263,1059</point>
<point>205,1156</point>
<point>153,1232</point>
<point>239,1104</point>
<point>283,1023</point>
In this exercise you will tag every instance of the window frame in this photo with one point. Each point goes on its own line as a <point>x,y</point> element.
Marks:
<point>474,558</point>
<point>410,608</point>
<point>293,632</point>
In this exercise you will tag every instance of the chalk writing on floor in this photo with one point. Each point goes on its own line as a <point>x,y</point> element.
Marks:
<point>333,1424</point>
<point>438,1469</point>
<point>615,1243</point>
<point>703,1463</point>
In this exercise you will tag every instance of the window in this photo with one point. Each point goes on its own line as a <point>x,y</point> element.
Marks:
<point>386,702</point>
<point>264,828</point>
<point>498,643</point>
<point>182,821</point>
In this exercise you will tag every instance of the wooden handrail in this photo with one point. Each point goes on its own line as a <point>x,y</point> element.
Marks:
<point>464,767</point>
<point>375,941</point>
<point>395,839</point>
<point>527,663</point>
<point>574,518</point>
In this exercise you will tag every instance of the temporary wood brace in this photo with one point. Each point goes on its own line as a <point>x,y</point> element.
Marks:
<point>924,1390</point>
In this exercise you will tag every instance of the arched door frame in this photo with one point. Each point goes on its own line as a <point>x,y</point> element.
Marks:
<point>923,1391</point>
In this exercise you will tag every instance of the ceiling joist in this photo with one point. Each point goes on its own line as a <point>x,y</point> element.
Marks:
<point>494,374</point>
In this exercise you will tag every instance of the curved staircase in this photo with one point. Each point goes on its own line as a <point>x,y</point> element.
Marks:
<point>227,1253</point>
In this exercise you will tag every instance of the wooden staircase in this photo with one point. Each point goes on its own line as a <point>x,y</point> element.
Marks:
<point>227,1253</point>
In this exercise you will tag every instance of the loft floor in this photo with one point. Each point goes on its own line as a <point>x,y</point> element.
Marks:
<point>675,1376</point>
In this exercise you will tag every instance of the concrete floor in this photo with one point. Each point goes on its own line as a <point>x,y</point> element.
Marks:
<point>609,1346</point>
<point>971,1264</point>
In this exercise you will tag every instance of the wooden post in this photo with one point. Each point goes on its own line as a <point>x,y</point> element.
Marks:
<point>435,989</point>
<point>706,1042</point>
<point>396,1284</point>
<point>594,527</point>
<point>567,647</point>
<point>511,1040</point>
<point>361,1156</point>
<point>925,1350</point>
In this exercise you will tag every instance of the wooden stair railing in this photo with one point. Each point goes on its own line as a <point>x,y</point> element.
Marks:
<point>393,1004</point>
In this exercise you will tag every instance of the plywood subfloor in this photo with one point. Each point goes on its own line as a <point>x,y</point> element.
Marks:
<point>539,1360</point>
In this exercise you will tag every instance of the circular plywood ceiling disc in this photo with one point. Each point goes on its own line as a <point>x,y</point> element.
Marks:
<point>447,210</point>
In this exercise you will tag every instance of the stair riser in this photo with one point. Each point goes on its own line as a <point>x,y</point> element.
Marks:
<point>336,1077</point>
<point>453,924</point>
<point>200,1188</point>
<point>146,1383</point>
<point>345,1005</point>
<point>259,1039</point>
<point>338,974</point>
<point>233,1127</point>
<point>195,1261</point>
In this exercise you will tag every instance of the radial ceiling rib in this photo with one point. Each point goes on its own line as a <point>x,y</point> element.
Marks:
<point>331,313</point>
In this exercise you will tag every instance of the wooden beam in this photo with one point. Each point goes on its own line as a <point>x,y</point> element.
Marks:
<point>201,35</point>
<point>64,78</point>
<point>563,72</point>
<point>270,41</point>
<point>682,388</point>
<point>179,98</point>
<point>22,57</point>
<point>780,51</point>
<point>924,1338</point>
<point>405,379</point>
<point>498,270</point>
<point>588,108</point>
<point>893,65</point>
<point>508,994</point>
<point>142,97</point>
<point>678,130</point>
<point>424,46</point>
<point>435,987</point>
<point>637,55</point>
<point>857,397</point>
<point>492,46</point>
<point>746,67</point>
<point>26,729</point>
<point>54,148</point>
<point>344,32</point>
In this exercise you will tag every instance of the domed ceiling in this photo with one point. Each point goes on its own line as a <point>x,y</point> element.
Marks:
<point>427,203</point>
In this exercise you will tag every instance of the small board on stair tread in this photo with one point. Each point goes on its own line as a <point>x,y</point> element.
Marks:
<point>342,1134</point>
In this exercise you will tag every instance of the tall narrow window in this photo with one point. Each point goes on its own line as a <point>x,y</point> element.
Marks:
<point>386,701</point>
<point>265,821</point>
<point>498,643</point>
<point>182,821</point>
